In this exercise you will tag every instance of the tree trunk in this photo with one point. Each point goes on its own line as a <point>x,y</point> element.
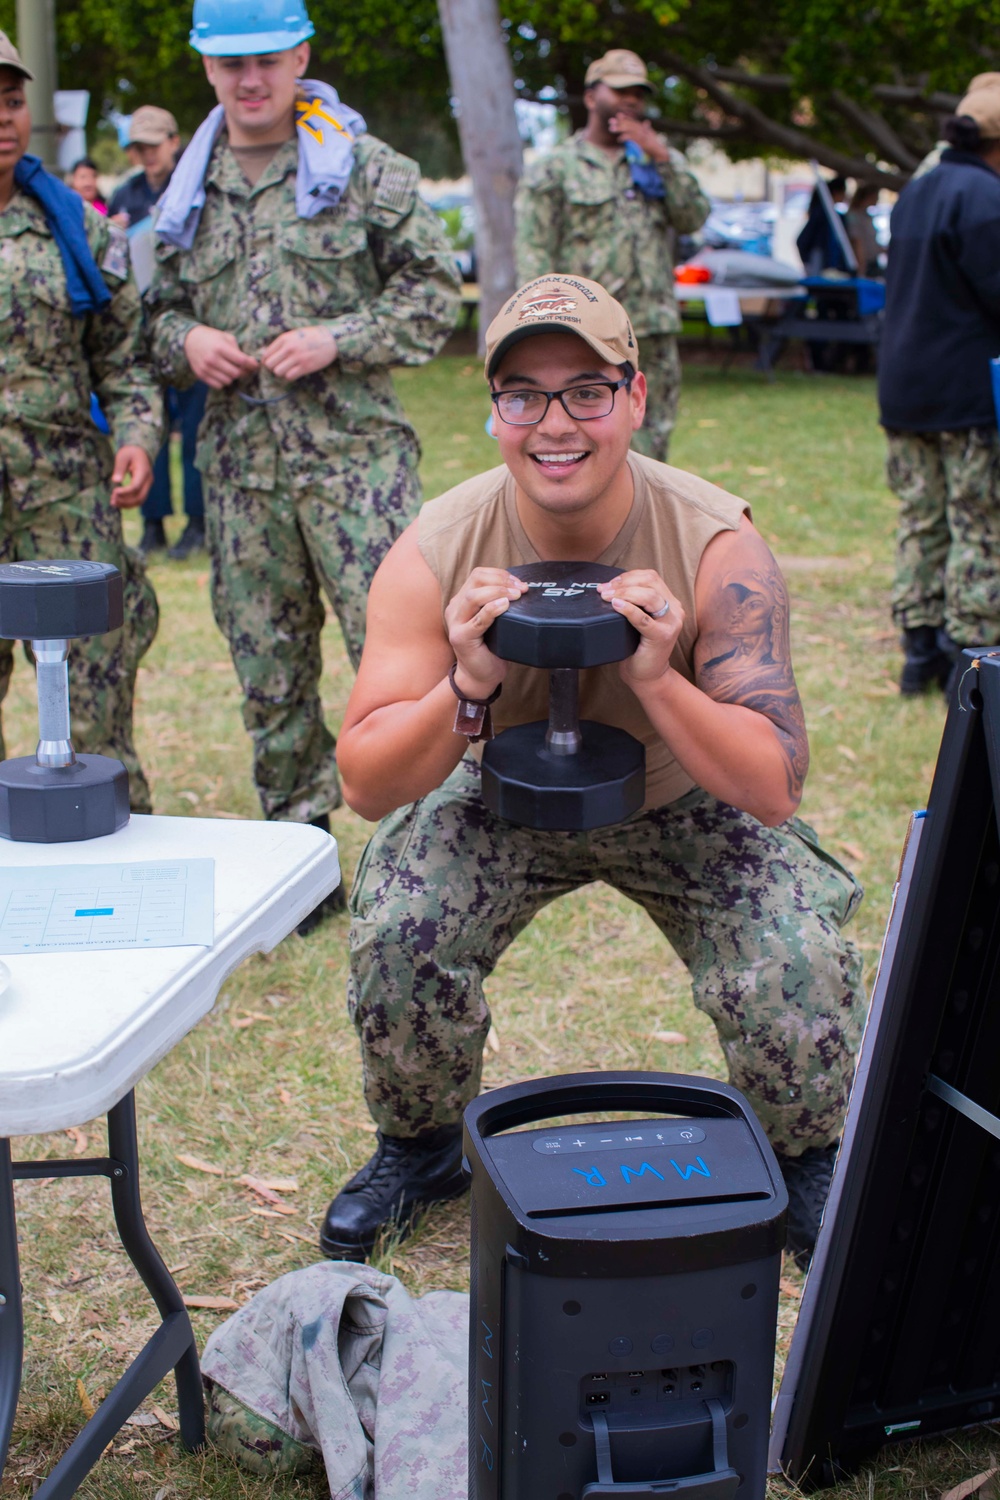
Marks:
<point>36,42</point>
<point>482,82</point>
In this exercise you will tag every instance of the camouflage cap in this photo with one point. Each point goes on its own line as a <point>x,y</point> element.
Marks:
<point>563,304</point>
<point>619,69</point>
<point>151,126</point>
<point>11,58</point>
<point>983,106</point>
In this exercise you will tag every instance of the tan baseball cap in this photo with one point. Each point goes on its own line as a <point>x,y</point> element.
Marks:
<point>619,69</point>
<point>563,304</point>
<point>11,58</point>
<point>983,106</point>
<point>151,126</point>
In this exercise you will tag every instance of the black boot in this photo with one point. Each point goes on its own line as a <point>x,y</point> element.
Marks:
<point>925,664</point>
<point>192,539</point>
<point>807,1178</point>
<point>404,1176</point>
<point>330,905</point>
<point>154,538</point>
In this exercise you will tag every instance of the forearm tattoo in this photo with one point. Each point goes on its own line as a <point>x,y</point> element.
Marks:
<point>745,658</point>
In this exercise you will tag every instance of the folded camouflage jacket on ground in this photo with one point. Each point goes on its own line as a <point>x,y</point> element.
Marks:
<point>338,1363</point>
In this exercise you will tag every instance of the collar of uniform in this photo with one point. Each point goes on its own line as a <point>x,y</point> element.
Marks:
<point>22,213</point>
<point>225,172</point>
<point>595,154</point>
<point>620,542</point>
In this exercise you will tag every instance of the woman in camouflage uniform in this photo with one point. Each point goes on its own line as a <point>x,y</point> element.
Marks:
<point>69,326</point>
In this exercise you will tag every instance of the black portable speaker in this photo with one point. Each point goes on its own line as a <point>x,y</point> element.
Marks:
<point>624,1290</point>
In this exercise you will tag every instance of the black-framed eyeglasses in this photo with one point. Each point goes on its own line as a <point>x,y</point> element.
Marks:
<point>584,403</point>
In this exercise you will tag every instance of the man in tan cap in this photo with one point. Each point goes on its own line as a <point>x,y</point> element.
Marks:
<point>154,135</point>
<point>606,204</point>
<point>936,398</point>
<point>71,324</point>
<point>930,161</point>
<point>153,132</point>
<point>715,856</point>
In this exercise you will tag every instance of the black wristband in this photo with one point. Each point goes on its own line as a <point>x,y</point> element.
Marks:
<point>464,698</point>
<point>472,716</point>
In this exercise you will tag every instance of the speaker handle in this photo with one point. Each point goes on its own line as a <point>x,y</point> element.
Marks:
<point>721,1484</point>
<point>572,1093</point>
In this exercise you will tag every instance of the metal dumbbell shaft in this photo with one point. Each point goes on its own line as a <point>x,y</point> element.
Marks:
<point>563,734</point>
<point>54,746</point>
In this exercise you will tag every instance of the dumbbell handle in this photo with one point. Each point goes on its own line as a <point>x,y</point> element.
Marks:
<point>563,734</point>
<point>54,746</point>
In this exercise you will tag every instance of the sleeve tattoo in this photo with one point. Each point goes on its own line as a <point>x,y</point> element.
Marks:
<point>745,658</point>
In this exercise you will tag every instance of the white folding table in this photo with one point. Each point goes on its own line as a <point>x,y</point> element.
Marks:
<point>78,1031</point>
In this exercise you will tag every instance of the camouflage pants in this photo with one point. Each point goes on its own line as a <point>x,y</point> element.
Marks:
<point>102,670</point>
<point>948,536</point>
<point>661,365</point>
<point>755,913</point>
<point>274,554</point>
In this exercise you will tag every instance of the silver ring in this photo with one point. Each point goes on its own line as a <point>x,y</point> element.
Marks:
<point>658,614</point>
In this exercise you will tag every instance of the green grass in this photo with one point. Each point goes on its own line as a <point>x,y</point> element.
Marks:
<point>281,1096</point>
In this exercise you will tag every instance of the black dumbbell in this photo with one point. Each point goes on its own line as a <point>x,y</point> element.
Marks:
<point>563,774</point>
<point>57,796</point>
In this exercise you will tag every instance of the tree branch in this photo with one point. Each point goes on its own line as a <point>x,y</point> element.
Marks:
<point>876,129</point>
<point>902,93</point>
<point>762,128</point>
<point>697,131</point>
<point>768,83</point>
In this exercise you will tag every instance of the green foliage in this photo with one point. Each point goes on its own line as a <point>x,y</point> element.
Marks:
<point>457,227</point>
<point>387,56</point>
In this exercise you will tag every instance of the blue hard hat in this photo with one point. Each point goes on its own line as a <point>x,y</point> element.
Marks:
<point>246,28</point>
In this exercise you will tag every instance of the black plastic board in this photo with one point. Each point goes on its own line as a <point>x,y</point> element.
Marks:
<point>899,1329</point>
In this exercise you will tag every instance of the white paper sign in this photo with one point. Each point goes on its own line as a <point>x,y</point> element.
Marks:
<point>78,908</point>
<point>722,307</point>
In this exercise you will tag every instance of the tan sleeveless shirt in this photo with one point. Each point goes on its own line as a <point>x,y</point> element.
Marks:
<point>673,518</point>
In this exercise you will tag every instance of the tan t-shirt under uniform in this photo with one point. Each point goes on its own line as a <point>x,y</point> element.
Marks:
<point>673,518</point>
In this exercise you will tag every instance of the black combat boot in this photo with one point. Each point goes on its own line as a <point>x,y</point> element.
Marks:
<point>807,1178</point>
<point>330,905</point>
<point>154,538</point>
<point>925,664</point>
<point>192,539</point>
<point>404,1176</point>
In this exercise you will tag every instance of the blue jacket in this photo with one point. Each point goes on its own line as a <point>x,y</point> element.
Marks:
<point>942,313</point>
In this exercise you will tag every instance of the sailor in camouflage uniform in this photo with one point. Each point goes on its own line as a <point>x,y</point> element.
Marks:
<point>605,205</point>
<point>70,324</point>
<point>294,322</point>
<point>737,884</point>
